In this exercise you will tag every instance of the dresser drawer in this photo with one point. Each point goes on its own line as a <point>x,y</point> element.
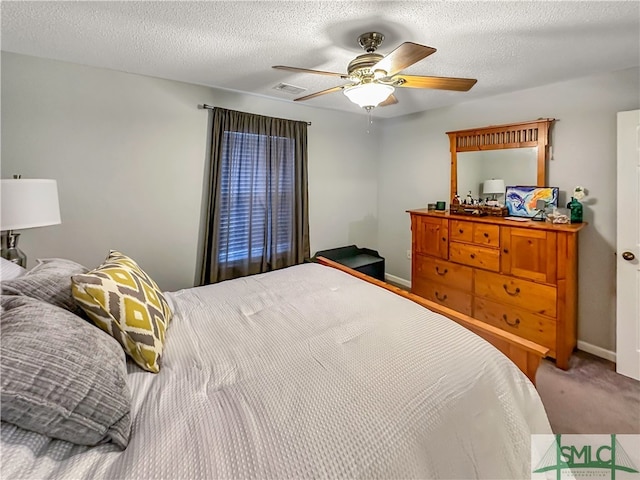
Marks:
<point>442,294</point>
<point>474,256</point>
<point>461,231</point>
<point>478,233</point>
<point>515,291</point>
<point>488,235</point>
<point>523,323</point>
<point>441,271</point>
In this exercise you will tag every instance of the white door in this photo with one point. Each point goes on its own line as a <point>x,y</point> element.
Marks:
<point>628,246</point>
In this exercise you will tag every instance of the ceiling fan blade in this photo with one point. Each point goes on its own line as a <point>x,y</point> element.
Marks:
<point>440,83</point>
<point>402,57</point>
<point>322,92</point>
<point>306,70</point>
<point>391,100</point>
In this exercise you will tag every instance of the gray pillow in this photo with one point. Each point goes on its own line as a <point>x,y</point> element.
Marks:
<point>10,270</point>
<point>60,376</point>
<point>49,281</point>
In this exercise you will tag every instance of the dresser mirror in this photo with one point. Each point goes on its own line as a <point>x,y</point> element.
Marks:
<point>515,153</point>
<point>514,166</point>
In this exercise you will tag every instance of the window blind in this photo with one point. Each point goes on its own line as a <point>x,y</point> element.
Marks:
<point>257,201</point>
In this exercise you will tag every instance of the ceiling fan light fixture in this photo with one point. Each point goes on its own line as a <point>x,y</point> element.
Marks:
<point>368,94</point>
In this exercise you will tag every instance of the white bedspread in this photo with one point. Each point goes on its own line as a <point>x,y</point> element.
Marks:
<point>308,372</point>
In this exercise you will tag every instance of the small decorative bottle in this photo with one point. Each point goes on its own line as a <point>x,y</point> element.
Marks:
<point>576,210</point>
<point>469,199</point>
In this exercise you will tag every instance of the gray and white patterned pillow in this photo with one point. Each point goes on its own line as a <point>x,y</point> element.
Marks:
<point>49,281</point>
<point>61,376</point>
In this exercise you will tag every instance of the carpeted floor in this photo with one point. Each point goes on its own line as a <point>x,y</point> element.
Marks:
<point>590,397</point>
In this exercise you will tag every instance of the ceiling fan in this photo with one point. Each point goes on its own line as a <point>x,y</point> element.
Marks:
<point>374,77</point>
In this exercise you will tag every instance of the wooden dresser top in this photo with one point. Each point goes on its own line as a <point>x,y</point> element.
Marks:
<point>533,224</point>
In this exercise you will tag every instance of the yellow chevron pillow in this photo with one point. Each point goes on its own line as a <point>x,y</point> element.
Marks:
<point>121,299</point>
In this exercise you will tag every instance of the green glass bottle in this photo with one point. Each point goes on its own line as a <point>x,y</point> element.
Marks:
<point>576,210</point>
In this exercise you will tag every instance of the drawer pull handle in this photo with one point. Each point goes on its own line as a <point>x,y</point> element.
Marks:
<point>443,298</point>
<point>441,273</point>
<point>473,255</point>
<point>461,230</point>
<point>513,294</point>
<point>506,250</point>
<point>511,324</point>
<point>486,235</point>
<point>444,239</point>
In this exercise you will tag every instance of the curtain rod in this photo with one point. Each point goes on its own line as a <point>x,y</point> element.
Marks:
<point>211,107</point>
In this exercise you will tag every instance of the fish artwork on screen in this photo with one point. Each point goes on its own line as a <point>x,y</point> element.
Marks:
<point>523,201</point>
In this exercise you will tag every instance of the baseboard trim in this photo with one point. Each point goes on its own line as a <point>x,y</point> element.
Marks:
<point>597,351</point>
<point>398,280</point>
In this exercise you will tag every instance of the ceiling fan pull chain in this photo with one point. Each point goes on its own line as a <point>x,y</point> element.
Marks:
<point>370,119</point>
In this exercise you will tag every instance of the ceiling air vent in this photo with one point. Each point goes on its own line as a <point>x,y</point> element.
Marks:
<point>292,89</point>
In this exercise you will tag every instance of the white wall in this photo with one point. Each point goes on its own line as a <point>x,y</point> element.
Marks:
<point>414,170</point>
<point>130,152</point>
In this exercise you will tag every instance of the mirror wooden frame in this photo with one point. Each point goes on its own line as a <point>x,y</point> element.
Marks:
<point>534,133</point>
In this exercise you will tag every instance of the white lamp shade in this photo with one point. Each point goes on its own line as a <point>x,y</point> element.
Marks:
<point>493,186</point>
<point>368,94</point>
<point>28,203</point>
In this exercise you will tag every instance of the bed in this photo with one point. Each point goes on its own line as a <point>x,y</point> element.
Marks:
<point>307,372</point>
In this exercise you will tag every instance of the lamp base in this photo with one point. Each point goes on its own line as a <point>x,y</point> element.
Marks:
<point>11,251</point>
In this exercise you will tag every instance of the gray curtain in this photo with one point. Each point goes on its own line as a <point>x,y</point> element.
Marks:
<point>258,209</point>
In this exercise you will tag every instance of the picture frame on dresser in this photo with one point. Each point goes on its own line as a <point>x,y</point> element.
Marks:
<point>523,200</point>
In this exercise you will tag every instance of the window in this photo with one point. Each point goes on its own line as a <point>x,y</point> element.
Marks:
<point>258,206</point>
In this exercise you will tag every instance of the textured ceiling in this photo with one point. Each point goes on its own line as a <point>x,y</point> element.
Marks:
<point>507,46</point>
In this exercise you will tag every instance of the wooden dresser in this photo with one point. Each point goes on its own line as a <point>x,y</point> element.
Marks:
<point>518,276</point>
